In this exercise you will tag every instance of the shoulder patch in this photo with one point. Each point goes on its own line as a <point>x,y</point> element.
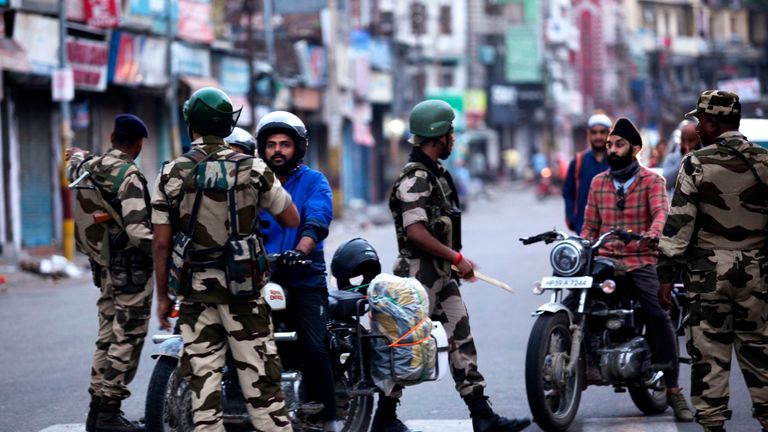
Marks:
<point>420,173</point>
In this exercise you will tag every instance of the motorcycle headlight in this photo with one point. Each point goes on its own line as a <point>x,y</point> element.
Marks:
<point>567,258</point>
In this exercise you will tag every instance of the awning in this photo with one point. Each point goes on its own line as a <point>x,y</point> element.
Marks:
<point>13,57</point>
<point>196,83</point>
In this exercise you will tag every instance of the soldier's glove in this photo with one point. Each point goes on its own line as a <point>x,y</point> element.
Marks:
<point>292,257</point>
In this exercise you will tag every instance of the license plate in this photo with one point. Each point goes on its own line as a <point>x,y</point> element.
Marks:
<point>552,282</point>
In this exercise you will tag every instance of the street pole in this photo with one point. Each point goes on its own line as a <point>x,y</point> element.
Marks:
<point>269,34</point>
<point>65,131</point>
<point>333,114</point>
<point>249,9</point>
<point>172,95</point>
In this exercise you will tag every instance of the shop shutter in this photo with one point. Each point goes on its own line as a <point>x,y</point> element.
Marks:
<point>36,172</point>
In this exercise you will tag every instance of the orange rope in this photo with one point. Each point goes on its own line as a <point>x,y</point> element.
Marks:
<point>413,329</point>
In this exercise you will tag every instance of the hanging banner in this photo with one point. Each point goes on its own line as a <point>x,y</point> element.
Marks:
<point>89,60</point>
<point>312,62</point>
<point>13,57</point>
<point>233,75</point>
<point>186,60</point>
<point>63,85</point>
<point>102,13</point>
<point>149,15</point>
<point>75,8</point>
<point>137,60</point>
<point>195,21</point>
<point>39,37</point>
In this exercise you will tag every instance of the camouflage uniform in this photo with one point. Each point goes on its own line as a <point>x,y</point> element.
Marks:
<point>119,247</point>
<point>423,196</point>
<point>211,318</point>
<point>716,231</point>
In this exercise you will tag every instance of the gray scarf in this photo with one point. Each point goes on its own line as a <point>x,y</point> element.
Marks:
<point>626,173</point>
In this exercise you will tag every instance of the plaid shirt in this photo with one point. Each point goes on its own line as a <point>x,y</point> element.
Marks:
<point>645,211</point>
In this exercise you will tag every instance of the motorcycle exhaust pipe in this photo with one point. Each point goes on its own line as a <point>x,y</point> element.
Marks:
<point>290,376</point>
<point>160,338</point>
<point>279,337</point>
<point>286,336</point>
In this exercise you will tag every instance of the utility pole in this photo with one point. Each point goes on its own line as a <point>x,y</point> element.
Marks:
<point>172,95</point>
<point>333,115</point>
<point>65,131</point>
<point>249,9</point>
<point>269,34</point>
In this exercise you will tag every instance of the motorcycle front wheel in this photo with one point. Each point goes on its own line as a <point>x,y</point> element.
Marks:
<point>553,396</point>
<point>169,399</point>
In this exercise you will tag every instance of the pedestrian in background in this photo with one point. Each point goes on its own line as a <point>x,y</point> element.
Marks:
<point>689,141</point>
<point>631,197</point>
<point>583,168</point>
<point>424,203</point>
<point>716,232</point>
<point>113,227</point>
<point>208,249</point>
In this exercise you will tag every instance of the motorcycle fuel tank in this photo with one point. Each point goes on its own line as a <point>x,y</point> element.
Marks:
<point>274,295</point>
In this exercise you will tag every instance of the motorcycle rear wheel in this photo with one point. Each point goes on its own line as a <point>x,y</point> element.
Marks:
<point>553,402</point>
<point>169,399</point>
<point>353,411</point>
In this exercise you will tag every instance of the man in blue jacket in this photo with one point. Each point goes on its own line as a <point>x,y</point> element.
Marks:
<point>281,139</point>
<point>583,168</point>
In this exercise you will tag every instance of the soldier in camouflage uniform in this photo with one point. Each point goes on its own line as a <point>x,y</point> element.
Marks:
<point>206,243</point>
<point>716,233</point>
<point>112,227</point>
<point>425,207</point>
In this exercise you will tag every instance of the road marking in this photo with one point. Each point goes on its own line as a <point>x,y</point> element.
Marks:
<point>440,425</point>
<point>614,424</point>
<point>74,427</point>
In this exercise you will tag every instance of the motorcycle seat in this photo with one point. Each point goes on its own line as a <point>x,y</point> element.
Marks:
<point>343,304</point>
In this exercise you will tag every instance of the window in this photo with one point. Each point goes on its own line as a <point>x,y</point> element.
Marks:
<point>418,18</point>
<point>492,7</point>
<point>445,20</point>
<point>445,77</point>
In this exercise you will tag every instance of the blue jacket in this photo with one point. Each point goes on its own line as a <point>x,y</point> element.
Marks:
<point>590,167</point>
<point>311,193</point>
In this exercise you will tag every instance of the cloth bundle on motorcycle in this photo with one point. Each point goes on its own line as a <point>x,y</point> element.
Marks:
<point>405,353</point>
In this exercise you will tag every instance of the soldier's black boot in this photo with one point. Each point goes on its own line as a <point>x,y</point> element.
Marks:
<point>385,419</point>
<point>485,420</point>
<point>111,419</point>
<point>93,412</point>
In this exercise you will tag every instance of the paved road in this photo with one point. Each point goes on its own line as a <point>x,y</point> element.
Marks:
<point>48,328</point>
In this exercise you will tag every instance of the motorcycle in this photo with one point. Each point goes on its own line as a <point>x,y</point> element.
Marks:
<point>599,340</point>
<point>348,341</point>
<point>547,185</point>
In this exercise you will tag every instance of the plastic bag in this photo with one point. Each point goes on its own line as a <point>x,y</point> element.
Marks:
<point>406,352</point>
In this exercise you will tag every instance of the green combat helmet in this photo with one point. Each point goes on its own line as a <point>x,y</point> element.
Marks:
<point>431,118</point>
<point>209,112</point>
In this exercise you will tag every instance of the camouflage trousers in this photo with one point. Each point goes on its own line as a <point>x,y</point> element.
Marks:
<point>447,306</point>
<point>246,328</point>
<point>728,310</point>
<point>123,324</point>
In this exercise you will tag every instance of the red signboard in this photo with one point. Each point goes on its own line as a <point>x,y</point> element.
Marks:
<point>89,59</point>
<point>102,13</point>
